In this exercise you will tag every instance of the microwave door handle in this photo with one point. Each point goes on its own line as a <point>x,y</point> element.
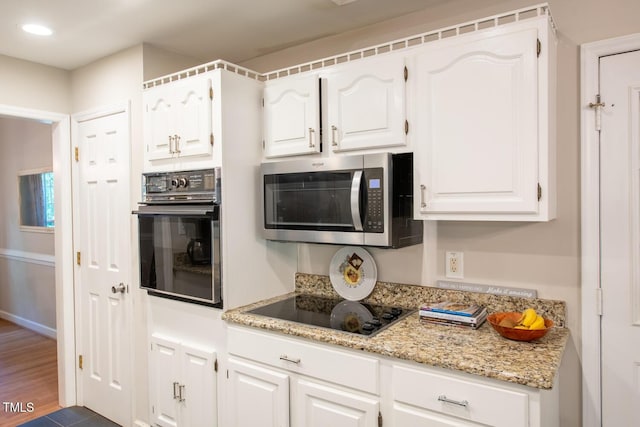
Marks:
<point>355,200</point>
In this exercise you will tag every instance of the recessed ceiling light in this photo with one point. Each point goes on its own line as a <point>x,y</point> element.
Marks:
<point>39,30</point>
<point>342,2</point>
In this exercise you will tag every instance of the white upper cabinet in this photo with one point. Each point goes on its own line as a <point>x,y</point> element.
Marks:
<point>292,116</point>
<point>484,148</point>
<point>178,119</point>
<point>362,107</point>
<point>366,104</point>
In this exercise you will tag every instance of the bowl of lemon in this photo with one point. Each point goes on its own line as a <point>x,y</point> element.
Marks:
<point>525,326</point>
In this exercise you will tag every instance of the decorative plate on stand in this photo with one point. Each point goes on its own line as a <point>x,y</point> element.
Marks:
<point>353,273</point>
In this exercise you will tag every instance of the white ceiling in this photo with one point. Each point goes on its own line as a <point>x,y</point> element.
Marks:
<point>234,30</point>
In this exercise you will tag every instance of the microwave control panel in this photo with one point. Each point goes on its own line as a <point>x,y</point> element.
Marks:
<point>374,215</point>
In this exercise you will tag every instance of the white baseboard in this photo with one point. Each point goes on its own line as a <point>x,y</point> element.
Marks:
<point>139,423</point>
<point>29,324</point>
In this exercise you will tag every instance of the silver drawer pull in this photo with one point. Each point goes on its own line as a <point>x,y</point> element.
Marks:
<point>176,386</point>
<point>286,359</point>
<point>423,188</point>
<point>311,135</point>
<point>463,403</point>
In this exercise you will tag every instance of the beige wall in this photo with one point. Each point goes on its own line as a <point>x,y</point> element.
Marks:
<point>29,85</point>
<point>159,62</point>
<point>544,256</point>
<point>27,290</point>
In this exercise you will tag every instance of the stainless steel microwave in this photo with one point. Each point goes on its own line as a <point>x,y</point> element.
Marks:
<point>364,200</point>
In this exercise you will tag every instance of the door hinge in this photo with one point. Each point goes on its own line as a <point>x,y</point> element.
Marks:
<point>78,257</point>
<point>80,361</point>
<point>406,73</point>
<point>538,47</point>
<point>211,138</point>
<point>211,93</point>
<point>227,374</point>
<point>406,127</point>
<point>539,192</point>
<point>599,309</point>
<point>379,419</point>
<point>215,366</point>
<point>77,153</point>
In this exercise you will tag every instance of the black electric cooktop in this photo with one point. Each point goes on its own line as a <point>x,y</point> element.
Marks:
<point>348,316</point>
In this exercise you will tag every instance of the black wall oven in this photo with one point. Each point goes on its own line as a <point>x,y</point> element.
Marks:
<point>179,236</point>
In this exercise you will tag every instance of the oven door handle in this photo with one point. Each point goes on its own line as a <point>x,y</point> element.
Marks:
<point>355,200</point>
<point>176,210</point>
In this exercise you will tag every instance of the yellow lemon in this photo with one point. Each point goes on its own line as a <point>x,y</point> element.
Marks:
<point>528,317</point>
<point>538,323</point>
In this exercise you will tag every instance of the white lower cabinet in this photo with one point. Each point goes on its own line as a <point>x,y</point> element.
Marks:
<point>182,384</point>
<point>258,396</point>
<point>319,405</point>
<point>428,397</point>
<point>279,382</point>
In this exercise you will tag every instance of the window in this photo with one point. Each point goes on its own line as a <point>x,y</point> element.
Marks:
<point>35,190</point>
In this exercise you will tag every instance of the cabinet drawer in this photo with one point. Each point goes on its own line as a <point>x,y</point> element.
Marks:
<point>348,369</point>
<point>469,400</point>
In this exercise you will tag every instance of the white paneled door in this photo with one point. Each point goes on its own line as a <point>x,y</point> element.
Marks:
<point>620,237</point>
<point>103,244</point>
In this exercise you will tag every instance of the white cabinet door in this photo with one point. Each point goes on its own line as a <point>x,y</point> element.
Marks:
<point>292,117</point>
<point>257,396</point>
<point>366,104</point>
<point>164,384</point>
<point>178,119</point>
<point>318,405</point>
<point>199,407</point>
<point>192,112</point>
<point>182,384</point>
<point>476,106</point>
<point>159,128</point>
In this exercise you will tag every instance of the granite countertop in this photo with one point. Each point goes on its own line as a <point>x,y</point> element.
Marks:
<point>481,352</point>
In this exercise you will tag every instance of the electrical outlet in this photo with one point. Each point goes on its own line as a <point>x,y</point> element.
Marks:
<point>454,265</point>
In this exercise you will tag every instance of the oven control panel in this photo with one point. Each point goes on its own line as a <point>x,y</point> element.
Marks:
<point>193,186</point>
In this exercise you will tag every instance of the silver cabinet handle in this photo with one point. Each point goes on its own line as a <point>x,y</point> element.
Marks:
<point>463,403</point>
<point>181,397</point>
<point>311,134</point>
<point>334,140</point>
<point>118,289</point>
<point>171,144</point>
<point>423,188</point>
<point>177,140</point>
<point>286,359</point>
<point>176,390</point>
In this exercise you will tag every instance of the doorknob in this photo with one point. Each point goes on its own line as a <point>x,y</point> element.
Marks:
<point>120,288</point>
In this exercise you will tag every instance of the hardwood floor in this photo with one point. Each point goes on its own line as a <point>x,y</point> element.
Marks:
<point>28,374</point>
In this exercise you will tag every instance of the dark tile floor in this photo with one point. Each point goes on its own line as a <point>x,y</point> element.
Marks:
<point>76,416</point>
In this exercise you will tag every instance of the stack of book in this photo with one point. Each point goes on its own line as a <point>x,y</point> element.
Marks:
<point>454,313</point>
